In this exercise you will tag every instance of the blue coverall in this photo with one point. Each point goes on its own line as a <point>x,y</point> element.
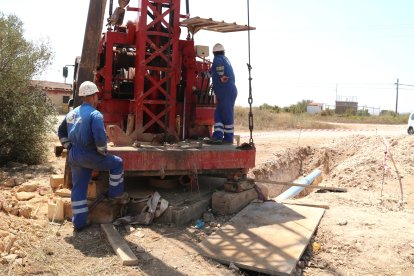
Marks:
<point>226,94</point>
<point>83,133</point>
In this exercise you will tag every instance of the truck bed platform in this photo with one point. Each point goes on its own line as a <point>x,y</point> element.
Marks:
<point>184,158</point>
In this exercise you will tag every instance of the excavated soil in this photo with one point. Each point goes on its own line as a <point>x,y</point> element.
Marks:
<point>367,230</point>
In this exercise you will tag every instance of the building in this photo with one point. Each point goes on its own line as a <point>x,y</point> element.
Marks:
<point>59,93</point>
<point>345,104</point>
<point>313,108</point>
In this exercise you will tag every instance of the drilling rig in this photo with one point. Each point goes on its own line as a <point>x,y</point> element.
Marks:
<point>155,93</point>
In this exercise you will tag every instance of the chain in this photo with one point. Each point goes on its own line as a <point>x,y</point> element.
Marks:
<point>250,100</point>
<point>249,67</point>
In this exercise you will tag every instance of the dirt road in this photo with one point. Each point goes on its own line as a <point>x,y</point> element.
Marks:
<point>269,142</point>
<point>367,231</point>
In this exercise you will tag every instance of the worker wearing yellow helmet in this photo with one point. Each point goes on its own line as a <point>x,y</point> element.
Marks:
<point>82,132</point>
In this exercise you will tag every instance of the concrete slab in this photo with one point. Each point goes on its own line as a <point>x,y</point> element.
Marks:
<point>265,237</point>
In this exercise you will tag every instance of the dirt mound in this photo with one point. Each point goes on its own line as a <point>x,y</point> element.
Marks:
<point>367,230</point>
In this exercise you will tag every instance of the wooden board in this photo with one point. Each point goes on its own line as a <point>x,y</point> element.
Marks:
<point>305,203</point>
<point>266,237</point>
<point>119,245</point>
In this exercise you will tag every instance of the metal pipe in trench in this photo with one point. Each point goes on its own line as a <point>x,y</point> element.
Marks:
<point>293,191</point>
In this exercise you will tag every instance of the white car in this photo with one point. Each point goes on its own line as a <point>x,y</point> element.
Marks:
<point>410,123</point>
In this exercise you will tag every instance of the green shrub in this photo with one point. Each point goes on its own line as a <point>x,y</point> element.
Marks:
<point>26,113</point>
<point>327,112</point>
<point>362,112</point>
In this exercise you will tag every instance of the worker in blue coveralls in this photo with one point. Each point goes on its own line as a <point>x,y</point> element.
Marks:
<point>226,93</point>
<point>83,134</point>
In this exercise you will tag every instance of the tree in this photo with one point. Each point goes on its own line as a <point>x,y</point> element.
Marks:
<point>267,107</point>
<point>299,107</point>
<point>26,113</point>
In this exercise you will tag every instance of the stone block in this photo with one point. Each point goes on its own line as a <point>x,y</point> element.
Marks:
<point>56,181</point>
<point>180,215</point>
<point>92,194</point>
<point>226,203</point>
<point>238,186</point>
<point>104,212</point>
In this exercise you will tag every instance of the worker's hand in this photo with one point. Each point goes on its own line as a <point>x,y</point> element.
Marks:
<point>102,150</point>
<point>66,143</point>
<point>224,79</point>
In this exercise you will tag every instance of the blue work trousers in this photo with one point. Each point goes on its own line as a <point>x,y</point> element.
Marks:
<point>224,114</point>
<point>82,163</point>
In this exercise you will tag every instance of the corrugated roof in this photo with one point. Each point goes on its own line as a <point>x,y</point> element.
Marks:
<point>315,104</point>
<point>196,23</point>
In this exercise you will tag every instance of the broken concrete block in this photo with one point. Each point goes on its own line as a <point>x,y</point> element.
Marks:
<point>226,203</point>
<point>67,208</point>
<point>238,186</point>
<point>55,211</point>
<point>56,181</point>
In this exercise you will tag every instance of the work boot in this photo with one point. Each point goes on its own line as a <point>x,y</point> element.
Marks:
<point>212,141</point>
<point>121,199</point>
<point>87,225</point>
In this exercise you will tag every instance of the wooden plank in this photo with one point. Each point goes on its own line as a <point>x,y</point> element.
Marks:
<point>267,237</point>
<point>119,245</point>
<point>332,189</point>
<point>305,203</point>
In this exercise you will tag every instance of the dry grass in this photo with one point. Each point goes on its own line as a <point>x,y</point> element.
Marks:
<point>267,120</point>
<point>384,119</point>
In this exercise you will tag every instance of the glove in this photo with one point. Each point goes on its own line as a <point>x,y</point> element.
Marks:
<point>102,150</point>
<point>66,143</point>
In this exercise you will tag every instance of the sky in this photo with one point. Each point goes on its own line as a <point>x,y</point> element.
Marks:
<point>319,50</point>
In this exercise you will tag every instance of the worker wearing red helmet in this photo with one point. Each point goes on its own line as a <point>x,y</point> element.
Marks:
<point>82,132</point>
<point>226,93</point>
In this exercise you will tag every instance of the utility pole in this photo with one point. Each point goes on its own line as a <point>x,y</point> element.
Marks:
<point>400,84</point>
<point>336,92</point>
<point>396,101</point>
